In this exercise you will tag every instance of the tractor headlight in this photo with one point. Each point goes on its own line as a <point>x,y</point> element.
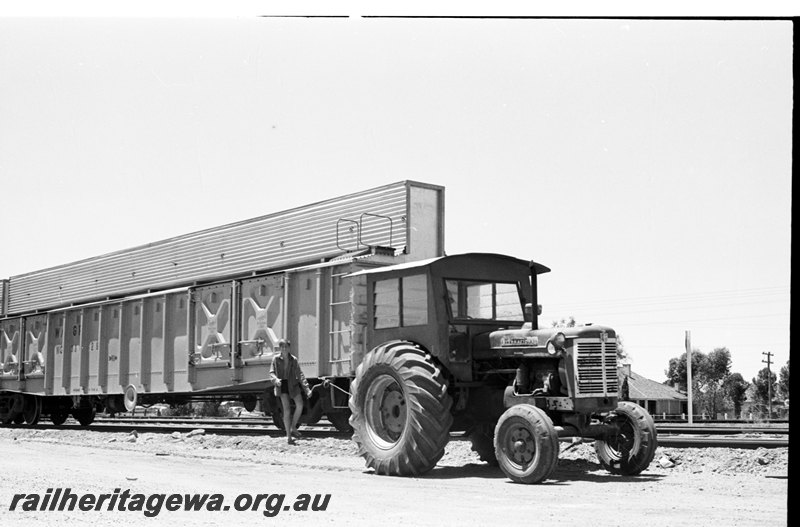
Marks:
<point>556,343</point>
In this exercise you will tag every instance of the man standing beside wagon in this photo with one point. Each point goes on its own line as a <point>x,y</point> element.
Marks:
<point>290,384</point>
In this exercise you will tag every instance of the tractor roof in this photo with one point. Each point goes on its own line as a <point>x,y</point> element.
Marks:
<point>540,269</point>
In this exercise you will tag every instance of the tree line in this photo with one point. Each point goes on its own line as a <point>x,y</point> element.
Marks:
<point>715,389</point>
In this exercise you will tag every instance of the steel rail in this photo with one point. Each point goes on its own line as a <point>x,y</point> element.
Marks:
<point>694,441</point>
<point>234,421</point>
<point>251,421</point>
<point>721,429</point>
<point>700,422</point>
<point>325,430</point>
<point>318,431</point>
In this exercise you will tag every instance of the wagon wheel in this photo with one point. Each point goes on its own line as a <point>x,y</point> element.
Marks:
<point>32,409</point>
<point>59,417</point>
<point>85,416</point>
<point>340,421</point>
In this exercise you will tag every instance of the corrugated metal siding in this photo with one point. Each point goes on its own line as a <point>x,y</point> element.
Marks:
<point>3,296</point>
<point>299,235</point>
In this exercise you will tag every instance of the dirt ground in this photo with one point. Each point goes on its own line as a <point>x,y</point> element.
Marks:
<point>712,486</point>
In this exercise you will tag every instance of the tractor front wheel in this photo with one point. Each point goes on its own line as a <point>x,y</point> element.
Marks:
<point>526,444</point>
<point>630,449</point>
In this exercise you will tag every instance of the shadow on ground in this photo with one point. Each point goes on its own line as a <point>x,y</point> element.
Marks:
<point>567,471</point>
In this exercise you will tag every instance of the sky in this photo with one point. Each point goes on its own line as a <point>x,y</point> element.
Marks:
<point>646,162</point>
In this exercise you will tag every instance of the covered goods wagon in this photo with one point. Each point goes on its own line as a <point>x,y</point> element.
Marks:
<point>199,315</point>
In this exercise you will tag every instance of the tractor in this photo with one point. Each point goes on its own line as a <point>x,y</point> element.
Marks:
<point>452,344</point>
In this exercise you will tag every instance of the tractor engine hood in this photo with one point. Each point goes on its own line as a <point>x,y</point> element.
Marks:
<point>533,342</point>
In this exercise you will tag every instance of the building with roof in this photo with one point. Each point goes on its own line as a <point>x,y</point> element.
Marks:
<point>661,400</point>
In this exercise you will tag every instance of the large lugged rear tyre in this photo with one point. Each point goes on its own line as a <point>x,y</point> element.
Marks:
<point>630,451</point>
<point>526,444</point>
<point>400,410</point>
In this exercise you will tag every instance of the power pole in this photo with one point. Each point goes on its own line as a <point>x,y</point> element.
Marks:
<point>769,379</point>
<point>689,373</point>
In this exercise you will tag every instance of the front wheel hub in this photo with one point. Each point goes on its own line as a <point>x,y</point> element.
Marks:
<point>523,447</point>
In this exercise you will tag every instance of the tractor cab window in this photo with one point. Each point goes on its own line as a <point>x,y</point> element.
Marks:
<point>484,300</point>
<point>401,302</point>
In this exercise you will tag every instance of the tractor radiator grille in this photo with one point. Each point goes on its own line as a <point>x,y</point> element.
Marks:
<point>596,367</point>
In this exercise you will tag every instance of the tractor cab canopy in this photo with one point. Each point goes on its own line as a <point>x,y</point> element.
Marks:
<point>472,288</point>
<point>467,262</point>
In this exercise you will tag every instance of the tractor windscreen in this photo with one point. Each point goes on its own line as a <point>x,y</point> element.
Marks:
<point>483,300</point>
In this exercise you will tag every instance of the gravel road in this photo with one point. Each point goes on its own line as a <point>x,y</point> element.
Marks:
<point>682,487</point>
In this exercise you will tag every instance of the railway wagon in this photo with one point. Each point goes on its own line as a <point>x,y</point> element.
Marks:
<point>198,316</point>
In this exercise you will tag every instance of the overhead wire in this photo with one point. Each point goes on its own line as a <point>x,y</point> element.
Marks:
<point>667,300</point>
<point>685,304</point>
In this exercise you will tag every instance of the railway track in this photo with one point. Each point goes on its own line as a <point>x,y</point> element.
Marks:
<point>713,429</point>
<point>673,435</point>
<point>183,428</point>
<point>668,428</point>
<point>697,441</point>
<point>716,429</point>
<point>733,435</point>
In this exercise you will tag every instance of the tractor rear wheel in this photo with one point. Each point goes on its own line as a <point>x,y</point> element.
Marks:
<point>400,410</point>
<point>631,449</point>
<point>526,444</point>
